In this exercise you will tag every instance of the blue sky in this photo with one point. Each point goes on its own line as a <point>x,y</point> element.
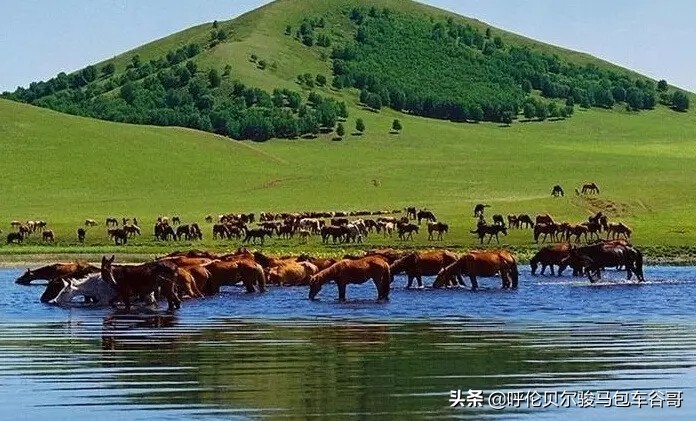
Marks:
<point>40,38</point>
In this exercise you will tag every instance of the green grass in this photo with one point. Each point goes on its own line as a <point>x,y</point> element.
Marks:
<point>65,169</point>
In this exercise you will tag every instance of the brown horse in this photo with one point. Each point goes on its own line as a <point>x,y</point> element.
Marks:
<point>491,230</point>
<point>230,272</point>
<point>320,263</point>
<point>354,272</point>
<point>546,229</point>
<point>48,236</point>
<point>142,280</point>
<point>419,264</point>
<point>549,256</point>
<point>544,219</point>
<point>590,188</point>
<point>524,219</point>
<point>482,263</point>
<point>81,234</point>
<point>57,271</point>
<point>618,230</point>
<point>389,255</point>
<point>292,273</point>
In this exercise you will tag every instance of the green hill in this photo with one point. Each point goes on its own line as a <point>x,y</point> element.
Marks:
<point>65,169</point>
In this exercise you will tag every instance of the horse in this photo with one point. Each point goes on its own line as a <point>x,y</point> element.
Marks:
<point>357,271</point>
<point>209,218</point>
<point>526,220</point>
<point>546,229</point>
<point>498,220</point>
<point>90,223</point>
<point>229,272</point>
<point>335,232</point>
<point>411,212</point>
<point>176,220</point>
<point>304,235</point>
<point>142,280</point>
<point>15,237</point>
<point>549,256</point>
<point>119,235</point>
<point>292,274</point>
<point>164,231</point>
<point>484,264</point>
<point>40,225</point>
<point>491,230</point>
<point>93,288</point>
<point>220,230</point>
<point>618,230</point>
<point>557,191</point>
<point>419,264</point>
<point>81,234</point>
<point>577,231</point>
<point>77,269</point>
<point>437,227</point>
<point>111,221</point>
<point>15,224</point>
<point>544,219</point>
<point>590,188</point>
<point>48,236</point>
<point>479,209</point>
<point>320,262</point>
<point>406,231</point>
<point>425,214</point>
<point>595,257</point>
<point>131,230</point>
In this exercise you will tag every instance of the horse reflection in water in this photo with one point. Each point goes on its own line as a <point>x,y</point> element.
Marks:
<point>133,331</point>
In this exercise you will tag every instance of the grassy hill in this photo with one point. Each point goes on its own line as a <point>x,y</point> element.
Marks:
<point>64,168</point>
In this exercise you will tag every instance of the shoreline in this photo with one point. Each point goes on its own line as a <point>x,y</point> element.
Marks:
<point>653,255</point>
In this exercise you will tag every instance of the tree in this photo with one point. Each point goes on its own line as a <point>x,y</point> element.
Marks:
<point>488,32</point>
<point>215,24</point>
<point>680,101</point>
<point>527,86</point>
<point>529,111</point>
<point>321,80</point>
<point>506,117</point>
<point>360,126</point>
<point>476,113</point>
<point>374,101</point>
<point>662,85</point>
<point>364,94</point>
<point>128,92</point>
<point>108,69</point>
<point>214,78</point>
<point>288,30</point>
<point>542,111</point>
<point>192,67</point>
<point>634,98</point>
<point>89,73</point>
<point>340,130</point>
<point>396,125</point>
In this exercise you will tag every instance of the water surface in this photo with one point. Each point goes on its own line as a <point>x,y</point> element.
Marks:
<point>279,355</point>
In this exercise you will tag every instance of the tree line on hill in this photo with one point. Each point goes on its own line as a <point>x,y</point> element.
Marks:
<point>448,70</point>
<point>173,91</point>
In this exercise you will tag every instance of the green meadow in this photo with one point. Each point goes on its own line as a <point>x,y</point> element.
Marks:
<point>64,169</point>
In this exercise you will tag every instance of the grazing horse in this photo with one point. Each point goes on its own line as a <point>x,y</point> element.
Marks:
<point>90,223</point>
<point>48,236</point>
<point>544,219</point>
<point>15,224</point>
<point>595,257</point>
<point>498,220</point>
<point>577,231</point>
<point>209,218</point>
<point>119,235</point>
<point>81,234</point>
<point>142,280</point>
<point>93,288</point>
<point>590,188</point>
<point>549,256</point>
<point>220,230</point>
<point>131,230</point>
<point>482,263</point>
<point>357,271</point>
<point>419,264</point>
<point>491,230</point>
<point>557,191</point>
<point>257,233</point>
<point>513,221</point>
<point>479,209</point>
<point>546,229</point>
<point>425,214</point>
<point>411,212</point>
<point>406,231</point>
<point>176,220</point>
<point>618,230</point>
<point>111,221</point>
<point>526,220</point>
<point>335,232</point>
<point>437,227</point>
<point>15,237</point>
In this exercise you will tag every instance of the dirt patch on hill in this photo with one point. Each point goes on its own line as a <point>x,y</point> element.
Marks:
<point>606,206</point>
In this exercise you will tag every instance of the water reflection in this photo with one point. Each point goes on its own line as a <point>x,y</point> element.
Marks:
<point>220,358</point>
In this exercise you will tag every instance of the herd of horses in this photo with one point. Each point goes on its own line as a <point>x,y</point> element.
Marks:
<point>196,274</point>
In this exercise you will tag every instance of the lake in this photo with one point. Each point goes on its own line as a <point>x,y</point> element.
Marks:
<point>279,355</point>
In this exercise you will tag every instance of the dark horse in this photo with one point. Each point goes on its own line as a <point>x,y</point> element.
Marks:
<point>491,231</point>
<point>590,188</point>
<point>557,191</point>
<point>595,257</point>
<point>479,208</point>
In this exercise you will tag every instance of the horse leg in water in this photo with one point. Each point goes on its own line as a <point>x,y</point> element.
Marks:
<point>410,281</point>
<point>460,280</point>
<point>474,283</point>
<point>341,291</point>
<point>552,270</point>
<point>419,278</point>
<point>505,278</point>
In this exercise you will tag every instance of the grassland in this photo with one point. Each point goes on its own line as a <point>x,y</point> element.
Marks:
<point>64,169</point>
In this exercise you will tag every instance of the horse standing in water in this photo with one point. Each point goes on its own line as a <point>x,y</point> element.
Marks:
<point>354,272</point>
<point>482,263</point>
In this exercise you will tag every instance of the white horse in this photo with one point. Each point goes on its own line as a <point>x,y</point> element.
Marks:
<point>92,286</point>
